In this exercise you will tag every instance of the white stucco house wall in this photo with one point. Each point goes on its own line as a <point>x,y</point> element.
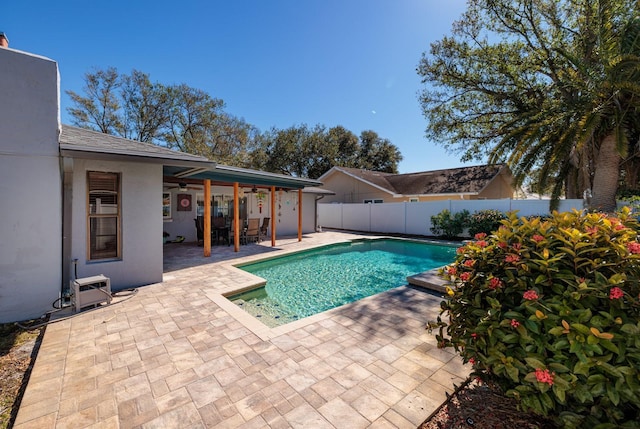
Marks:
<point>78,203</point>
<point>30,185</point>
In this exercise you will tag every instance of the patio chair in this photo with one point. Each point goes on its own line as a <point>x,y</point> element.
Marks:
<point>243,239</point>
<point>253,230</point>
<point>263,228</point>
<point>199,221</point>
<point>219,229</point>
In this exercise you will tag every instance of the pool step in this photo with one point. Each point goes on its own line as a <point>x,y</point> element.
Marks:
<point>429,280</point>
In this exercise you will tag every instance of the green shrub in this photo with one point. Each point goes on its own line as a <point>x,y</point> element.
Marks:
<point>549,310</point>
<point>449,225</point>
<point>485,221</point>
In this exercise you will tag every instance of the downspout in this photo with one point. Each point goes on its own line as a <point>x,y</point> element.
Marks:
<point>315,207</point>
<point>67,217</point>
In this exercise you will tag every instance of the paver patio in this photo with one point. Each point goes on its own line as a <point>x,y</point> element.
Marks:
<point>178,355</point>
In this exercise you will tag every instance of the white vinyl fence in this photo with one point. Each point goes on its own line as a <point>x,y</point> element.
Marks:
<point>415,218</point>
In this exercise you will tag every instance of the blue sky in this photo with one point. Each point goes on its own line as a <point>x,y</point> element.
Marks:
<point>274,63</point>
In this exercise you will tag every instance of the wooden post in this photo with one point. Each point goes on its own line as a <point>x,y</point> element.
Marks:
<point>274,221</point>
<point>236,218</point>
<point>299,214</point>
<point>207,218</point>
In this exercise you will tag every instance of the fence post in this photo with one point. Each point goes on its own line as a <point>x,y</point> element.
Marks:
<point>405,217</point>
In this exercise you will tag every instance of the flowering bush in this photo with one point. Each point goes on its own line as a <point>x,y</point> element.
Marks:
<point>549,310</point>
<point>449,225</point>
<point>485,221</point>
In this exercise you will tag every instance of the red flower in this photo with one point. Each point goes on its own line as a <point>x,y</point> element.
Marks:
<point>510,258</point>
<point>452,271</point>
<point>474,335</point>
<point>517,246</point>
<point>634,247</point>
<point>530,295</point>
<point>461,250</point>
<point>480,236</point>
<point>481,243</point>
<point>469,262</point>
<point>537,238</point>
<point>544,376</point>
<point>615,293</point>
<point>495,283</point>
<point>472,361</point>
<point>502,245</point>
<point>592,230</point>
<point>465,277</point>
<point>515,323</point>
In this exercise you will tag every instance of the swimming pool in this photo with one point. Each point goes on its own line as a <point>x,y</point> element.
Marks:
<point>310,282</point>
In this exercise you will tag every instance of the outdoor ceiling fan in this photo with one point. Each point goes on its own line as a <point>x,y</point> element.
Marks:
<point>184,187</point>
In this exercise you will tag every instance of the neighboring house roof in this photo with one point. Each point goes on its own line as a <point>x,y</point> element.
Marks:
<point>82,143</point>
<point>462,180</point>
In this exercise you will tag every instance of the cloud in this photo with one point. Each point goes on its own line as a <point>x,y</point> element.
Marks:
<point>373,111</point>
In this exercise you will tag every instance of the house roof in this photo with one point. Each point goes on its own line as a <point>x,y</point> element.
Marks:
<point>222,174</point>
<point>82,143</point>
<point>462,180</point>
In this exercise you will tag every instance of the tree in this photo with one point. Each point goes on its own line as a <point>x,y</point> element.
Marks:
<point>98,109</point>
<point>377,153</point>
<point>176,116</point>
<point>310,152</point>
<point>192,119</point>
<point>346,144</point>
<point>544,85</point>
<point>145,107</point>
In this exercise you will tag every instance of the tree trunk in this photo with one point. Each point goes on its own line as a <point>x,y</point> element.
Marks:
<point>571,185</point>
<point>605,179</point>
<point>631,169</point>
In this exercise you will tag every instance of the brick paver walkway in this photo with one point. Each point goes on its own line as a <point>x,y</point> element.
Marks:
<point>178,355</point>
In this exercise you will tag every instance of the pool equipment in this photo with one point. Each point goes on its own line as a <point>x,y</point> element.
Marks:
<point>90,291</point>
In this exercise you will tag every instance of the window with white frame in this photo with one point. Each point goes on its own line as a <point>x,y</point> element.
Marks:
<point>103,215</point>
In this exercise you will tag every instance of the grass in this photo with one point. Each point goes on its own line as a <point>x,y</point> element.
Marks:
<point>17,347</point>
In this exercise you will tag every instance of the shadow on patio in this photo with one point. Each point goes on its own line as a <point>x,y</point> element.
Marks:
<point>177,256</point>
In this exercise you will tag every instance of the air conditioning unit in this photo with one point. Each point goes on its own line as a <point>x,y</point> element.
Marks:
<point>91,291</point>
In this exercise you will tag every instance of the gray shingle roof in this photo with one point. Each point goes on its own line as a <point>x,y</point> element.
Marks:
<point>77,140</point>
<point>83,143</point>
<point>466,180</point>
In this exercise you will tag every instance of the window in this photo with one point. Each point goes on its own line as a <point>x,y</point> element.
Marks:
<point>414,200</point>
<point>374,201</point>
<point>166,205</point>
<point>103,213</point>
<point>221,205</point>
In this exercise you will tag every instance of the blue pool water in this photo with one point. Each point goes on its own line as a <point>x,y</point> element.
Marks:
<point>313,281</point>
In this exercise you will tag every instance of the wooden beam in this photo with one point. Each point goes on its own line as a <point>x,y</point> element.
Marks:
<point>236,218</point>
<point>274,221</point>
<point>207,218</point>
<point>299,214</point>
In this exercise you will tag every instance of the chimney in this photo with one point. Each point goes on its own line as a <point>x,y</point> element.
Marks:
<point>4,41</point>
